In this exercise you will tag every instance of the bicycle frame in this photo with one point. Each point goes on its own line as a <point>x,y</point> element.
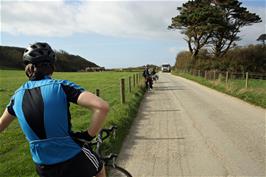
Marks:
<point>99,141</point>
<point>104,134</point>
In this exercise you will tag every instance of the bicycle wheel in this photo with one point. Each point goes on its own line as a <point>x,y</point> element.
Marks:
<point>116,171</point>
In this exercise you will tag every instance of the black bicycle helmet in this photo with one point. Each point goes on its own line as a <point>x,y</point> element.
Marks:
<point>39,52</point>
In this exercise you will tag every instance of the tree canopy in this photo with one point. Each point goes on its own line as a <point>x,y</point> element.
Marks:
<point>262,38</point>
<point>234,17</point>
<point>213,24</point>
<point>195,20</point>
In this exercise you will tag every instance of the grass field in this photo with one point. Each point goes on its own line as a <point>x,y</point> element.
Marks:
<point>255,93</point>
<point>15,160</point>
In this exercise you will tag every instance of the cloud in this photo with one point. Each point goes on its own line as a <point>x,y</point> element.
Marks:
<point>138,19</point>
<point>64,18</point>
<point>44,18</point>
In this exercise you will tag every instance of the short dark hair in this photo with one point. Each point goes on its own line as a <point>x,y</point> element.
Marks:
<point>37,71</point>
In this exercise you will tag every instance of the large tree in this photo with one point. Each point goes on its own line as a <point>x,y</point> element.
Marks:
<point>234,17</point>
<point>212,23</point>
<point>196,20</point>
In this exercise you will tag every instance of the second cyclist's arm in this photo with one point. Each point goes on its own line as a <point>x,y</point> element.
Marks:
<point>99,109</point>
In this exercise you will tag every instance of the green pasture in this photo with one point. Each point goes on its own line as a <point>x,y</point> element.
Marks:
<point>255,93</point>
<point>15,160</point>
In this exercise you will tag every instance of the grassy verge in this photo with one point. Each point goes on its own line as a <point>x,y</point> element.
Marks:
<point>15,159</point>
<point>255,93</point>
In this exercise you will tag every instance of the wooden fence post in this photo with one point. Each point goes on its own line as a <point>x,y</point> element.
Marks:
<point>140,78</point>
<point>226,78</point>
<point>214,75</point>
<point>97,92</point>
<point>134,80</point>
<point>129,84</point>
<point>122,91</point>
<point>246,85</point>
<point>205,75</point>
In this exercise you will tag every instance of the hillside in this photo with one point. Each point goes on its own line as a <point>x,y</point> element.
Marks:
<point>11,58</point>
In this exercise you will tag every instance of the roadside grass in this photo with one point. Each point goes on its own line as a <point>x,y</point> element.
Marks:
<point>255,93</point>
<point>15,159</point>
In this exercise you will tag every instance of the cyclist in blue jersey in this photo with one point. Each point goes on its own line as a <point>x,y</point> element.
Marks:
<point>41,106</point>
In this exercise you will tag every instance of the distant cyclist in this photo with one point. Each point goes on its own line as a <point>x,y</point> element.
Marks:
<point>41,106</point>
<point>148,77</point>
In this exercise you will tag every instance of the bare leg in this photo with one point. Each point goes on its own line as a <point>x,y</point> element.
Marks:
<point>101,173</point>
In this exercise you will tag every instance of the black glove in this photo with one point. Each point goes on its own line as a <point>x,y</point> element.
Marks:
<point>84,135</point>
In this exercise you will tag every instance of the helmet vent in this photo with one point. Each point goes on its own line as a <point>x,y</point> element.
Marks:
<point>34,46</point>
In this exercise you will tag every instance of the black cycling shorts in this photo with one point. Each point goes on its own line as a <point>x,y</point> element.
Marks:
<point>86,164</point>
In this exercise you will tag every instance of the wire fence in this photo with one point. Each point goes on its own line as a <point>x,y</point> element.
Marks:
<point>124,87</point>
<point>226,76</point>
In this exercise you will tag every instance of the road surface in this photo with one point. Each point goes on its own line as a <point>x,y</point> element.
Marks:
<point>185,129</point>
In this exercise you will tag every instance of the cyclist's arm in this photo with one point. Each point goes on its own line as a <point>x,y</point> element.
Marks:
<point>99,108</point>
<point>5,120</point>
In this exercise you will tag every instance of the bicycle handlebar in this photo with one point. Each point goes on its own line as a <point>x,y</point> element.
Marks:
<point>102,135</point>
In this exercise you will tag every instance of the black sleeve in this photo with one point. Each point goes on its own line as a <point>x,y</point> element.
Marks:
<point>72,93</point>
<point>10,108</point>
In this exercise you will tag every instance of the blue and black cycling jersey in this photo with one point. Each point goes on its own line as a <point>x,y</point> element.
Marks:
<point>42,109</point>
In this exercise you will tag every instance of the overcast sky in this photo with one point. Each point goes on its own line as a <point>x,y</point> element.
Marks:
<point>112,34</point>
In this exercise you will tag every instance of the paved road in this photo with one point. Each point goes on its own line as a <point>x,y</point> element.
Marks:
<point>185,129</point>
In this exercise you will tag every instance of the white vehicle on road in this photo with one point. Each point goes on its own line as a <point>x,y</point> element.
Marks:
<point>166,68</point>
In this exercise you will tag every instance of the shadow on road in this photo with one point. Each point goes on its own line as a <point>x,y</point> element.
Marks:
<point>162,110</point>
<point>169,88</point>
<point>152,139</point>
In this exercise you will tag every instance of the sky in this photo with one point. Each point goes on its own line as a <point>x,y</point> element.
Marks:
<point>112,34</point>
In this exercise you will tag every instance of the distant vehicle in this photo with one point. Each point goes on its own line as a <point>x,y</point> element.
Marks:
<point>166,68</point>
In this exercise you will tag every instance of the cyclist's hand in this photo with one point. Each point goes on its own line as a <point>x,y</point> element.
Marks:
<point>83,135</point>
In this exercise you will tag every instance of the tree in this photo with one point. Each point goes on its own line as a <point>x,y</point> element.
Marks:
<point>226,32</point>
<point>212,23</point>
<point>196,20</point>
<point>220,1</point>
<point>262,38</point>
